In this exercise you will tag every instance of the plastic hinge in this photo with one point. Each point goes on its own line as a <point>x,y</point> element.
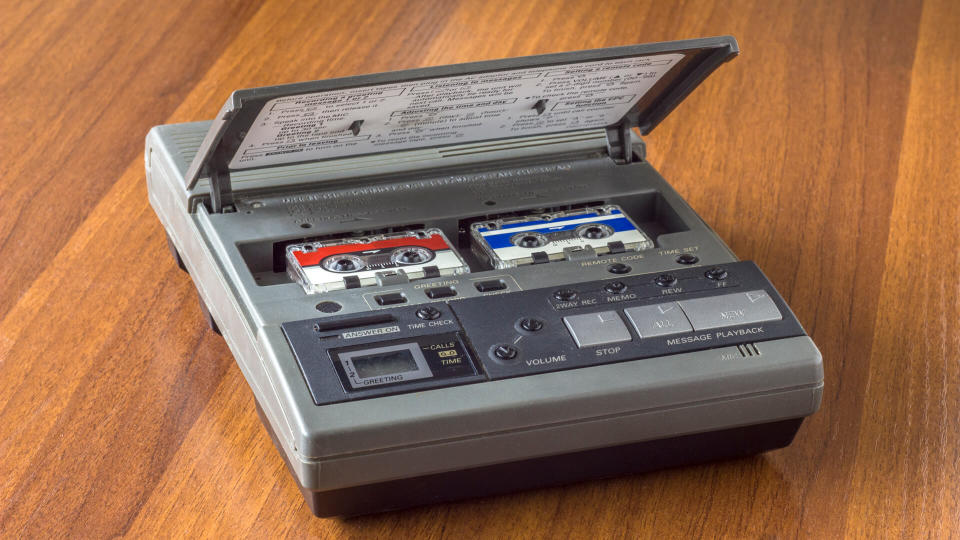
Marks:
<point>622,145</point>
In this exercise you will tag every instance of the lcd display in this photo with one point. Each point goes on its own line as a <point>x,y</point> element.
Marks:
<point>374,366</point>
<point>384,363</point>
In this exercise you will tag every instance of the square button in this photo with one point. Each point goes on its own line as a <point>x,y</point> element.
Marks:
<point>441,292</point>
<point>731,310</point>
<point>390,299</point>
<point>591,329</point>
<point>490,285</point>
<point>658,320</point>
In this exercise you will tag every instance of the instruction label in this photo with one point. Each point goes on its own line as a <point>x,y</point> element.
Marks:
<point>448,110</point>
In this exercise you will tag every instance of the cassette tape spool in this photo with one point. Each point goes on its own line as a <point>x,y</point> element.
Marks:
<point>540,238</point>
<point>347,263</point>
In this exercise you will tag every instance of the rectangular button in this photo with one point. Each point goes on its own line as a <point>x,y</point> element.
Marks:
<point>490,285</point>
<point>730,310</point>
<point>441,292</point>
<point>597,328</point>
<point>658,320</point>
<point>390,299</point>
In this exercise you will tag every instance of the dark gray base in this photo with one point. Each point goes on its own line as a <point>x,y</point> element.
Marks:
<point>548,471</point>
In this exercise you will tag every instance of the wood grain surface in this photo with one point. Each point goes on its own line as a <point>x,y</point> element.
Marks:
<point>828,152</point>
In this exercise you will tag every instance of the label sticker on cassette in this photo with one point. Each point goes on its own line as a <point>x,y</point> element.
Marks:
<point>506,243</point>
<point>358,262</point>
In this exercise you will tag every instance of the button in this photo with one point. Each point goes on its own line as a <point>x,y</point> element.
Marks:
<point>597,328</point>
<point>688,258</point>
<point>716,273</point>
<point>615,287</point>
<point>490,285</point>
<point>440,292</point>
<point>390,299</point>
<point>565,295</point>
<point>428,313</point>
<point>531,325</point>
<point>619,268</point>
<point>665,280</point>
<point>730,310</point>
<point>658,320</point>
<point>505,352</point>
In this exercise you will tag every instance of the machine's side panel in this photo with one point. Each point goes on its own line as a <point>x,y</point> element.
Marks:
<point>166,161</point>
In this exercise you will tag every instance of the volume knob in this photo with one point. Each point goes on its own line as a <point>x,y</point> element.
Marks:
<point>505,352</point>
<point>531,325</point>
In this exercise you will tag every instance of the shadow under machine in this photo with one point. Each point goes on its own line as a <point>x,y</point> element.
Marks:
<point>464,280</point>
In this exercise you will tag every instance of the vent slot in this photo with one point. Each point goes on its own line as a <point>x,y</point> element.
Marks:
<point>748,350</point>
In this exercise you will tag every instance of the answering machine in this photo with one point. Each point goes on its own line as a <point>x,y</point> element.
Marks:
<point>464,280</point>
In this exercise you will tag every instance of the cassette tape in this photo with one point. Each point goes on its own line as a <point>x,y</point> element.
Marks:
<point>347,263</point>
<point>537,238</point>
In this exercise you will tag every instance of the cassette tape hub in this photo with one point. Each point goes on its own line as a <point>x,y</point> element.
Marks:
<point>410,388</point>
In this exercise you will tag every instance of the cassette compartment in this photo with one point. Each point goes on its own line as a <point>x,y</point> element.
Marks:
<point>267,259</point>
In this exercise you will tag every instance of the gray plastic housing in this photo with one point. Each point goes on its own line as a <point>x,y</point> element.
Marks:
<point>230,257</point>
<point>366,441</point>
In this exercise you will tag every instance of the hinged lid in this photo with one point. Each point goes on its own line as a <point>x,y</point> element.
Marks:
<point>616,88</point>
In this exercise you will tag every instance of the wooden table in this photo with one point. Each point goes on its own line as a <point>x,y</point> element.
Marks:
<point>828,152</point>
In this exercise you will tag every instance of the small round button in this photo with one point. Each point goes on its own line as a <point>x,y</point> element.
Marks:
<point>615,287</point>
<point>428,313</point>
<point>619,268</point>
<point>531,325</point>
<point>688,258</point>
<point>565,295</point>
<point>505,352</point>
<point>665,280</point>
<point>716,273</point>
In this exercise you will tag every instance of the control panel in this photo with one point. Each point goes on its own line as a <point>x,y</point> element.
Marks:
<point>627,318</point>
<point>459,341</point>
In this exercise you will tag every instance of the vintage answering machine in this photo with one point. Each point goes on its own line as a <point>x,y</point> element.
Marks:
<point>464,280</point>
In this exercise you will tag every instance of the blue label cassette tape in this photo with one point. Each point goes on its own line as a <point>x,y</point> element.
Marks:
<point>540,238</point>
